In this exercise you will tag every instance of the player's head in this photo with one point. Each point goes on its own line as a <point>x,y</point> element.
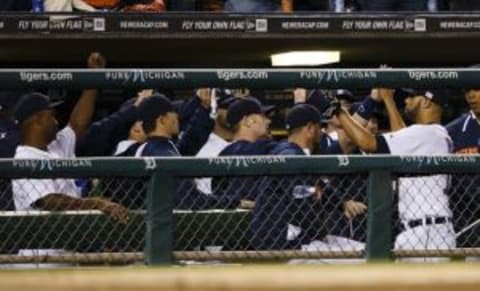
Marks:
<point>472,96</point>
<point>36,116</point>
<point>250,116</point>
<point>303,123</point>
<point>320,101</point>
<point>134,130</point>
<point>158,116</point>
<point>425,106</point>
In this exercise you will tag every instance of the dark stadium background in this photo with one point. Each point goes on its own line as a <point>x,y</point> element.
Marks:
<point>244,50</point>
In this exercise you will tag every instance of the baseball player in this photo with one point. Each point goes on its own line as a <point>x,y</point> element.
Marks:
<point>286,215</point>
<point>247,117</point>
<point>218,139</point>
<point>333,140</point>
<point>195,124</point>
<point>109,132</point>
<point>40,140</point>
<point>347,224</point>
<point>465,133</point>
<point>423,205</point>
<point>465,130</point>
<point>291,214</point>
<point>160,123</point>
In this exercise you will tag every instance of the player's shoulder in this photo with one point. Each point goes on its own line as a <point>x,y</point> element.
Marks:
<point>286,148</point>
<point>27,152</point>
<point>242,147</point>
<point>417,132</point>
<point>433,131</point>
<point>424,128</point>
<point>234,148</point>
<point>457,124</point>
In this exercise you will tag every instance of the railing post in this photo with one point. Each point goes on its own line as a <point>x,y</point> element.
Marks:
<point>159,220</point>
<point>380,221</point>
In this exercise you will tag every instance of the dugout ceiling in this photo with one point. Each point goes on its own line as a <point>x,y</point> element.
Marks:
<point>218,40</point>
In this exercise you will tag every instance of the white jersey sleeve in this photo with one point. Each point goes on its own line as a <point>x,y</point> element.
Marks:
<point>419,140</point>
<point>27,191</point>
<point>64,143</point>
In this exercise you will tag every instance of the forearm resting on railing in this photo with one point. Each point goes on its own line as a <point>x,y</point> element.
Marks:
<point>62,202</point>
<point>59,202</point>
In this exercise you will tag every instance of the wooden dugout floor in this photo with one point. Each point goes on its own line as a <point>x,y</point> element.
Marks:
<point>292,277</point>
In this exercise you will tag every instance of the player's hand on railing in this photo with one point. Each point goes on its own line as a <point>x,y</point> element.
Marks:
<point>96,61</point>
<point>115,211</point>
<point>352,208</point>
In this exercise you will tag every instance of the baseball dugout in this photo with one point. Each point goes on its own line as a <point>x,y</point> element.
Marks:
<point>264,208</point>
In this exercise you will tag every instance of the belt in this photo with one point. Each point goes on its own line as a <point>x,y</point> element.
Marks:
<point>429,220</point>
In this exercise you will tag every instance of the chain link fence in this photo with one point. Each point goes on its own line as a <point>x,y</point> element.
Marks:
<point>32,235</point>
<point>248,218</point>
<point>279,213</point>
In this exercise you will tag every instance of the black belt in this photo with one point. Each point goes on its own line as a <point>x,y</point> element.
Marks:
<point>427,221</point>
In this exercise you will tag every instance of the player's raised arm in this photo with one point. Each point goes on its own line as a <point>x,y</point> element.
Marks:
<point>360,136</point>
<point>82,114</point>
<point>394,116</point>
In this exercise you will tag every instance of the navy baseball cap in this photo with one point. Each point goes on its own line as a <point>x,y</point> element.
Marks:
<point>378,112</point>
<point>302,114</point>
<point>320,101</point>
<point>246,106</point>
<point>344,94</point>
<point>32,103</point>
<point>438,96</point>
<point>153,107</point>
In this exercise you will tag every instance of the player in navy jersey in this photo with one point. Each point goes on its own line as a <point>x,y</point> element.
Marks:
<point>247,117</point>
<point>465,191</point>
<point>465,130</point>
<point>285,214</point>
<point>160,124</point>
